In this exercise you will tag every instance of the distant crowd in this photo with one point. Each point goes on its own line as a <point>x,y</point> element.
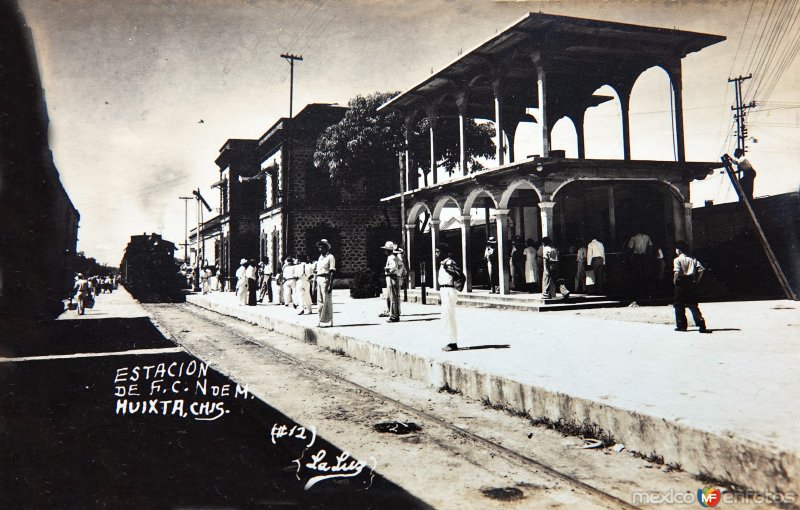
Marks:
<point>86,288</point>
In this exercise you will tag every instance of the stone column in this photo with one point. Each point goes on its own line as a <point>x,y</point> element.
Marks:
<point>501,218</point>
<point>412,180</point>
<point>612,217</point>
<point>580,133</point>
<point>411,230</point>
<point>466,243</point>
<point>462,135</point>
<point>676,77</point>
<point>434,169</point>
<point>544,123</point>
<point>687,224</point>
<point>498,124</point>
<point>434,241</point>
<point>510,137</point>
<point>546,211</point>
<point>625,100</point>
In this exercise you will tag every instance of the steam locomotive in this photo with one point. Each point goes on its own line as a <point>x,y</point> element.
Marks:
<point>149,270</point>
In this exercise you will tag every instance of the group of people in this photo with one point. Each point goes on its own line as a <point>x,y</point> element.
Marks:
<point>84,289</point>
<point>298,283</point>
<point>536,266</point>
<point>687,273</point>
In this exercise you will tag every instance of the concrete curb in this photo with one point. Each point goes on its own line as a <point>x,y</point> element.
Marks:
<point>722,457</point>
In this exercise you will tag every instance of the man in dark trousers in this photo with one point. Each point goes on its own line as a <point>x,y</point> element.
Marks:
<point>745,172</point>
<point>686,273</point>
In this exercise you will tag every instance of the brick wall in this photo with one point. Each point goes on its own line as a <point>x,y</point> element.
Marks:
<point>726,240</point>
<point>356,235</point>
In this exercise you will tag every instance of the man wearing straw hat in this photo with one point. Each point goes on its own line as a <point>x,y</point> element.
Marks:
<point>450,279</point>
<point>326,267</point>
<point>393,272</point>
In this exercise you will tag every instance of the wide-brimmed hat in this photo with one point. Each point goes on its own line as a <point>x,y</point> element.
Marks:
<point>323,242</point>
<point>390,246</point>
<point>243,262</point>
<point>492,240</point>
<point>398,251</point>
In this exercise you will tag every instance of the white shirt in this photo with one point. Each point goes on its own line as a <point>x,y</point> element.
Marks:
<point>445,278</point>
<point>393,266</point>
<point>251,272</point>
<point>549,253</point>
<point>326,264</point>
<point>596,249</point>
<point>686,266</point>
<point>241,273</point>
<point>639,244</point>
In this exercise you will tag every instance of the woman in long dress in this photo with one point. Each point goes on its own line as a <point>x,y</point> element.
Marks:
<point>531,267</point>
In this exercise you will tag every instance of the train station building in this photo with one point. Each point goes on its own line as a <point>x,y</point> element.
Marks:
<point>541,70</point>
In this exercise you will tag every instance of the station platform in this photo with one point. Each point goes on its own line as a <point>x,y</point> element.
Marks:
<point>523,301</point>
<point>722,405</point>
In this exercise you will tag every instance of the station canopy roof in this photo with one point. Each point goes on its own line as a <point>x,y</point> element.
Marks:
<point>578,55</point>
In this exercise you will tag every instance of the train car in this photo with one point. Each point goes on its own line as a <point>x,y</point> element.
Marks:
<point>149,270</point>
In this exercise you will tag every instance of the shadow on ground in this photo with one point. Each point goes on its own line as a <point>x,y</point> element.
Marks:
<point>66,444</point>
<point>23,338</point>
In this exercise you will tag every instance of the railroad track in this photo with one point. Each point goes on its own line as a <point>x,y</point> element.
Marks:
<point>526,462</point>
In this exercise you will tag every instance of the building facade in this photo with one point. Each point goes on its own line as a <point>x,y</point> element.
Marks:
<point>275,203</point>
<point>542,69</point>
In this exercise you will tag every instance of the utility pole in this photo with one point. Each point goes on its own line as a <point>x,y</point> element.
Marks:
<point>290,153</point>
<point>186,228</point>
<point>198,261</point>
<point>403,233</point>
<point>291,58</point>
<point>741,111</point>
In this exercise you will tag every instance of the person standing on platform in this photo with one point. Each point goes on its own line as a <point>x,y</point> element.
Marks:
<point>552,278</point>
<point>531,266</point>
<point>220,279</point>
<point>205,284</point>
<point>492,260</point>
<point>450,278</point>
<point>687,272</point>
<point>518,263</point>
<point>580,268</point>
<point>289,282</point>
<point>264,284</point>
<point>305,273</point>
<point>641,247</point>
<point>596,255</point>
<point>326,268</point>
<point>252,283</point>
<point>392,272</point>
<point>241,282</point>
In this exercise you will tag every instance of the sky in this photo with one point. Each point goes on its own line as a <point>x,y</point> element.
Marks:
<point>127,84</point>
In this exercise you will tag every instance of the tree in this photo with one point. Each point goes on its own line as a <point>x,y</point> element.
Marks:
<point>479,142</point>
<point>360,153</point>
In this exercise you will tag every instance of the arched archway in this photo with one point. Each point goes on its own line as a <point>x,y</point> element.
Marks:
<point>603,127</point>
<point>652,116</point>
<point>564,136</point>
<point>612,211</point>
<point>527,139</point>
